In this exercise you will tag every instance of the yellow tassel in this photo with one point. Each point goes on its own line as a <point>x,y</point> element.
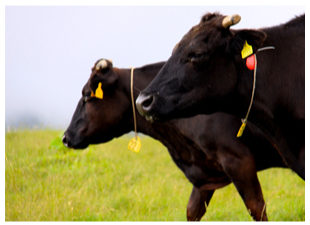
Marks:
<point>134,144</point>
<point>240,132</point>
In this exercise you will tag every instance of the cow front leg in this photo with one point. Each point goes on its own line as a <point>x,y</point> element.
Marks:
<point>196,206</point>
<point>242,173</point>
<point>251,193</point>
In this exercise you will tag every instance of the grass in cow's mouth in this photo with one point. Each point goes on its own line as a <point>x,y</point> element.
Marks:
<point>108,182</point>
<point>56,143</point>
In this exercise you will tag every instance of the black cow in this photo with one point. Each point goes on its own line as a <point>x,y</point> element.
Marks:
<point>203,147</point>
<point>206,73</point>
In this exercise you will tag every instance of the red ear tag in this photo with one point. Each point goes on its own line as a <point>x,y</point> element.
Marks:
<point>250,62</point>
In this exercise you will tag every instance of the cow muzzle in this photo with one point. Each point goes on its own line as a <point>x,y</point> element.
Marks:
<point>71,141</point>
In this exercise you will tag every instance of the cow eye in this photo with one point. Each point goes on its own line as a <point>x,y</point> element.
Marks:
<point>194,57</point>
<point>87,97</point>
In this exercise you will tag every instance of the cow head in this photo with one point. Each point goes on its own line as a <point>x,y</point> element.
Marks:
<point>203,72</point>
<point>98,120</point>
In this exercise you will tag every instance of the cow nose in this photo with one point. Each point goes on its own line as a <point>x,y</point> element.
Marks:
<point>144,103</point>
<point>65,140</point>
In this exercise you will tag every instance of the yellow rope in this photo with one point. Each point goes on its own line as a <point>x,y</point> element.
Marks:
<point>253,90</point>
<point>244,121</point>
<point>132,101</point>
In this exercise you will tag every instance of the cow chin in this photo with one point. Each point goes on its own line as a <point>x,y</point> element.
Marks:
<point>79,146</point>
<point>84,144</point>
<point>160,116</point>
<point>166,114</point>
<point>153,118</point>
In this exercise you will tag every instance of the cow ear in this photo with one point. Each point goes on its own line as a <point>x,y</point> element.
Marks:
<point>105,81</point>
<point>255,38</point>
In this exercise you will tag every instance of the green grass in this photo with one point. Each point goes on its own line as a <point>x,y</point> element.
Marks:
<point>108,182</point>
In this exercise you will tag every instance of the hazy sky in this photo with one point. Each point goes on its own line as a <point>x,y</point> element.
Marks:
<point>49,50</point>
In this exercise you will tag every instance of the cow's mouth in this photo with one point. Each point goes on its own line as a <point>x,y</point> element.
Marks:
<point>149,118</point>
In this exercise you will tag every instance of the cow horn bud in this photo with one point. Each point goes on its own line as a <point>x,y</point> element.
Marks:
<point>101,64</point>
<point>110,60</point>
<point>231,20</point>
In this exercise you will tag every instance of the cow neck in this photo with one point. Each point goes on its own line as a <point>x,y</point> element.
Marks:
<point>139,79</point>
<point>166,132</point>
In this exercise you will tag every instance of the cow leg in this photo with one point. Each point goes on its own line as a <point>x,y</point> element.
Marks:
<point>242,173</point>
<point>196,207</point>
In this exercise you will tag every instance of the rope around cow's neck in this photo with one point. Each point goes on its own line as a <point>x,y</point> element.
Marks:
<point>132,101</point>
<point>245,120</point>
<point>135,143</point>
<point>253,91</point>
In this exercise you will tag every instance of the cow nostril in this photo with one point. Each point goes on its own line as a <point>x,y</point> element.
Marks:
<point>144,103</point>
<point>65,141</point>
<point>147,102</point>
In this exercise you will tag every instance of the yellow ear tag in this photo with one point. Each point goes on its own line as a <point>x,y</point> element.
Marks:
<point>240,132</point>
<point>98,92</point>
<point>134,144</point>
<point>247,50</point>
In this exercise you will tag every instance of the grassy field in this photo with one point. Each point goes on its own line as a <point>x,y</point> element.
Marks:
<point>107,182</point>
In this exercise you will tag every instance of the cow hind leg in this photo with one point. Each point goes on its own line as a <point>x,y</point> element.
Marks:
<point>196,206</point>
